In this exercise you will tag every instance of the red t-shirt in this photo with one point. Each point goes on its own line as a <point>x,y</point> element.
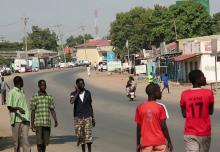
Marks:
<point>149,116</point>
<point>197,102</point>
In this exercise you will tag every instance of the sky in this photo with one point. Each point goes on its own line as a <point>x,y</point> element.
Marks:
<point>71,14</point>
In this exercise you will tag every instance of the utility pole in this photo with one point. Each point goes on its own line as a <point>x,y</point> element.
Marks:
<point>127,46</point>
<point>84,39</point>
<point>25,19</point>
<point>174,23</point>
<point>61,40</point>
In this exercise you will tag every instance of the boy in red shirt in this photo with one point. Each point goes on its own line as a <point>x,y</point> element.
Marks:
<point>197,105</point>
<point>151,118</point>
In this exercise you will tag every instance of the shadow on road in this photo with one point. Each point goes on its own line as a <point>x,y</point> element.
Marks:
<point>7,142</point>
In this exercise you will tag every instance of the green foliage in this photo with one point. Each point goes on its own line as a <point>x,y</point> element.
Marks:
<point>146,27</point>
<point>68,58</point>
<point>216,23</point>
<point>42,39</point>
<point>10,46</point>
<point>73,41</point>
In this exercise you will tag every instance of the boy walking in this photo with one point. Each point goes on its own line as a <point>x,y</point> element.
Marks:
<point>20,118</point>
<point>197,104</point>
<point>42,105</point>
<point>83,115</point>
<point>152,132</point>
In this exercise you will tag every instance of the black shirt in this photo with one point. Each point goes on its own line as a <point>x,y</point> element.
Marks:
<point>83,109</point>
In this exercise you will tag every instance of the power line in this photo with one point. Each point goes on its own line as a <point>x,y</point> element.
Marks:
<point>10,24</point>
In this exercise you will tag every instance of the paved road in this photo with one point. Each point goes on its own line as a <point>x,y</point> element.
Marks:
<point>115,130</point>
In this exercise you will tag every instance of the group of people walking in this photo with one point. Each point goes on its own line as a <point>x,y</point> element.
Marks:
<point>197,104</point>
<point>41,108</point>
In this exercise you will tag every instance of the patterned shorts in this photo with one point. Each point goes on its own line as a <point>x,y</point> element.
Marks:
<point>83,130</point>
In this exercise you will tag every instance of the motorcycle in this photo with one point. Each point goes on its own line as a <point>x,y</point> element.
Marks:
<point>131,94</point>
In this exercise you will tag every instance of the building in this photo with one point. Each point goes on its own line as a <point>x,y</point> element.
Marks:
<point>94,50</point>
<point>197,53</point>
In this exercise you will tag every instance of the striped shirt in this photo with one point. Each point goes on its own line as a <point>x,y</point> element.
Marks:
<point>16,98</point>
<point>42,104</point>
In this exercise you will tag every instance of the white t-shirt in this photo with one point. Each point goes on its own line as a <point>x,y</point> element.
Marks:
<point>81,95</point>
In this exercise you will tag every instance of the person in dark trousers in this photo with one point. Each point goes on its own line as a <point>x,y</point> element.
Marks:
<point>3,90</point>
<point>197,104</point>
<point>42,105</point>
<point>152,132</point>
<point>165,80</point>
<point>19,113</point>
<point>83,115</point>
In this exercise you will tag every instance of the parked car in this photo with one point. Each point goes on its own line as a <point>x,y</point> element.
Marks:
<point>102,66</point>
<point>28,69</point>
<point>6,71</point>
<point>71,64</point>
<point>86,62</point>
<point>63,65</point>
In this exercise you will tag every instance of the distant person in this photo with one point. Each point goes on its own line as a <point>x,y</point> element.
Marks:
<point>95,66</point>
<point>197,104</point>
<point>150,77</point>
<point>83,115</point>
<point>165,80</point>
<point>20,118</point>
<point>3,90</point>
<point>42,105</point>
<point>152,132</point>
<point>156,78</point>
<point>101,67</point>
<point>88,70</point>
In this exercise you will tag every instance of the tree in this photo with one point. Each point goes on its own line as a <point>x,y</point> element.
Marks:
<point>216,23</point>
<point>73,41</point>
<point>192,19</point>
<point>68,58</point>
<point>10,46</point>
<point>146,27</point>
<point>130,26</point>
<point>42,39</point>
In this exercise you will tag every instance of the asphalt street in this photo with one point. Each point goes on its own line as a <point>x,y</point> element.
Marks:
<point>115,129</point>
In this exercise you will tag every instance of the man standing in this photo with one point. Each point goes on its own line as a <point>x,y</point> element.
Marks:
<point>3,90</point>
<point>83,114</point>
<point>42,105</point>
<point>197,104</point>
<point>19,113</point>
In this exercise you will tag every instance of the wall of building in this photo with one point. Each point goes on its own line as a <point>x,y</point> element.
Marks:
<point>187,66</point>
<point>208,67</point>
<point>92,54</point>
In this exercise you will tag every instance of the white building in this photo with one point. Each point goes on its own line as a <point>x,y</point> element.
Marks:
<point>198,54</point>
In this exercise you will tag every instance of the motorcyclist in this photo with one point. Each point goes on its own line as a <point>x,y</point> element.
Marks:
<point>131,85</point>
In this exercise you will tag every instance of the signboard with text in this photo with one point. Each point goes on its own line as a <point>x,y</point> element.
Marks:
<point>114,65</point>
<point>140,69</point>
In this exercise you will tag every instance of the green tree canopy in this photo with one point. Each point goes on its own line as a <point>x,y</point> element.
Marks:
<point>216,23</point>
<point>42,39</point>
<point>10,46</point>
<point>73,41</point>
<point>146,27</point>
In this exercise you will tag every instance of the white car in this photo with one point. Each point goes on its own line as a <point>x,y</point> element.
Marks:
<point>71,64</point>
<point>63,65</point>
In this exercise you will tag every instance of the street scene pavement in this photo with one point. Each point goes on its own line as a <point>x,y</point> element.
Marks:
<point>115,128</point>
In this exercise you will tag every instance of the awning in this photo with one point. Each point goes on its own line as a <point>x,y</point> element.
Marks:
<point>185,57</point>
